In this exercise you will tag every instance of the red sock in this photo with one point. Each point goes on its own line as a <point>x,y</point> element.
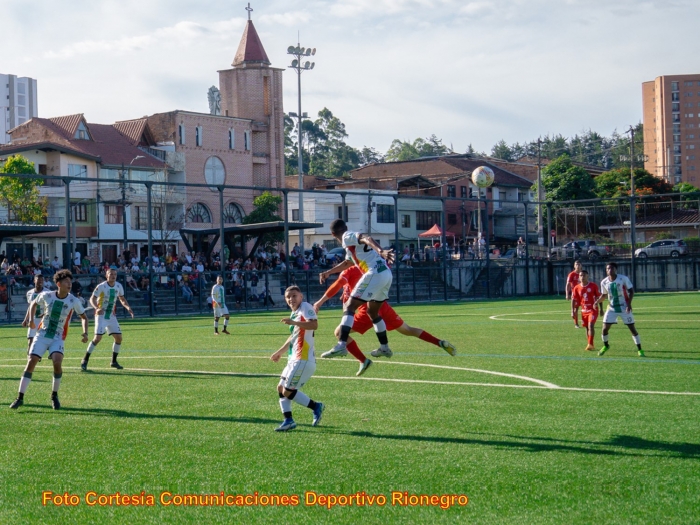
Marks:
<point>355,351</point>
<point>429,338</point>
<point>590,339</point>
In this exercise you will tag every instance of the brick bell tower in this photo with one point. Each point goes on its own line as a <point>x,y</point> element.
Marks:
<point>253,90</point>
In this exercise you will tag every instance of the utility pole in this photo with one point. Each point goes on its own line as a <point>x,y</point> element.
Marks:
<point>633,205</point>
<point>540,222</point>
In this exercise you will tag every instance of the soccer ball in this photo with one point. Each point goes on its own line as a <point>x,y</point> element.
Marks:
<point>483,176</point>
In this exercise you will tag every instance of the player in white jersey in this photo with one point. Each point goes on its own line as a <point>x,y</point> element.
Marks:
<point>372,288</point>
<point>620,292</point>
<point>218,297</point>
<point>32,294</point>
<point>58,308</point>
<point>104,300</point>
<point>301,361</point>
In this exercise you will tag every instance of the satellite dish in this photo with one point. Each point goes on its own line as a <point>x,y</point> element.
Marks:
<point>314,51</point>
<point>290,50</point>
<point>295,63</point>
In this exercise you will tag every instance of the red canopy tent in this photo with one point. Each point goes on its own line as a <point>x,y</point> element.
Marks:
<point>434,232</point>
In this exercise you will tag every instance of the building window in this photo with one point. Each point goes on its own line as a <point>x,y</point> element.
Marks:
<point>231,139</point>
<point>295,215</point>
<point>675,97</point>
<point>427,219</point>
<point>340,212</point>
<point>463,192</point>
<point>676,138</point>
<point>676,159</point>
<point>451,190</point>
<point>198,136</point>
<point>674,86</point>
<point>246,140</point>
<point>676,106</point>
<point>80,212</point>
<point>405,221</point>
<point>140,218</point>
<point>385,213</point>
<point>676,148</point>
<point>113,214</point>
<point>451,218</point>
<point>676,128</point>
<point>198,212</point>
<point>77,170</point>
<point>181,133</point>
<point>676,117</point>
<point>233,214</point>
<point>81,133</point>
<point>214,172</point>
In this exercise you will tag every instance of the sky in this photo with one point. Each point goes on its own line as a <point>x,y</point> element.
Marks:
<point>468,72</point>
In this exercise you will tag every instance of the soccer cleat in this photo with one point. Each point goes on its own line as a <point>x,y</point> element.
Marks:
<point>590,348</point>
<point>382,351</point>
<point>363,367</point>
<point>318,414</point>
<point>83,366</point>
<point>216,332</point>
<point>448,347</point>
<point>17,403</point>
<point>116,365</point>
<point>603,350</point>
<point>287,424</point>
<point>224,331</point>
<point>576,325</point>
<point>338,350</point>
<point>640,352</point>
<point>55,404</point>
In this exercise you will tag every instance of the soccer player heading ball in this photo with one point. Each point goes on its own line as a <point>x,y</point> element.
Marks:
<point>372,288</point>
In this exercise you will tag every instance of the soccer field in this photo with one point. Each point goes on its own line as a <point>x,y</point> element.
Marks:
<point>523,422</point>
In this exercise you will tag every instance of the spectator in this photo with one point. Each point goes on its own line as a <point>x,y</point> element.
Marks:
<point>186,292</point>
<point>254,283</point>
<point>237,293</point>
<point>55,264</point>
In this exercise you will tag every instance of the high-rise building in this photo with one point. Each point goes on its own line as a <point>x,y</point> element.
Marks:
<point>671,106</point>
<point>17,103</point>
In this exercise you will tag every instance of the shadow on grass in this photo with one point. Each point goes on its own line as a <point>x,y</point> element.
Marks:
<point>175,375</point>
<point>634,446</point>
<point>105,412</point>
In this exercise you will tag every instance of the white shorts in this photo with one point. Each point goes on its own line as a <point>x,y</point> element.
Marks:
<point>41,344</point>
<point>611,317</point>
<point>220,311</point>
<point>31,332</point>
<point>373,286</point>
<point>297,373</point>
<point>111,325</point>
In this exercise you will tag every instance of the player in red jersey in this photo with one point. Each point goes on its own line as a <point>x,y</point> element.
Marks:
<point>585,295</point>
<point>571,281</point>
<point>362,321</point>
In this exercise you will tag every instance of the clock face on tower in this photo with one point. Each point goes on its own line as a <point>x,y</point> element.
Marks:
<point>214,173</point>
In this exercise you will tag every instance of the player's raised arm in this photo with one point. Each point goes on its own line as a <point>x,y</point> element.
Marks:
<point>387,255</point>
<point>333,289</point>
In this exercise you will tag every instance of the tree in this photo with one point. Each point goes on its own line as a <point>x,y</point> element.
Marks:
<point>369,156</point>
<point>266,207</point>
<point>563,181</point>
<point>616,183</point>
<point>168,210</point>
<point>501,150</point>
<point>21,196</point>
<point>402,150</point>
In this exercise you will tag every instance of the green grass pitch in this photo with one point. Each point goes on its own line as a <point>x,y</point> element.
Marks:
<point>524,422</point>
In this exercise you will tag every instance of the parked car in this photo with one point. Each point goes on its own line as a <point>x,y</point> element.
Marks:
<point>581,249</point>
<point>665,248</point>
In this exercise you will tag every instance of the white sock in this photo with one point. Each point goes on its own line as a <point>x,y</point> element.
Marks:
<point>56,382</point>
<point>637,340</point>
<point>302,398</point>
<point>347,320</point>
<point>24,382</point>
<point>116,348</point>
<point>225,323</point>
<point>216,325</point>
<point>605,338</point>
<point>285,404</point>
<point>91,347</point>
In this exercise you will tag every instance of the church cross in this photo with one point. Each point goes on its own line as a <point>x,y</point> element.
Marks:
<point>249,9</point>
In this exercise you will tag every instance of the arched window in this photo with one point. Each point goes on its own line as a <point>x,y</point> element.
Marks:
<point>233,213</point>
<point>198,135</point>
<point>181,133</point>
<point>231,139</point>
<point>198,212</point>
<point>214,172</point>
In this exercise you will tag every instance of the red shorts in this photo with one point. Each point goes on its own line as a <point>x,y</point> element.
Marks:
<point>362,322</point>
<point>589,318</point>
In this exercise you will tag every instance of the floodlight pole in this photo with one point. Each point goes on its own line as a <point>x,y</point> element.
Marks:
<point>299,52</point>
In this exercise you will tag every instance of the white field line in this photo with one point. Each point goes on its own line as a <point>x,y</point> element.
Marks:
<point>387,380</point>
<point>499,317</point>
